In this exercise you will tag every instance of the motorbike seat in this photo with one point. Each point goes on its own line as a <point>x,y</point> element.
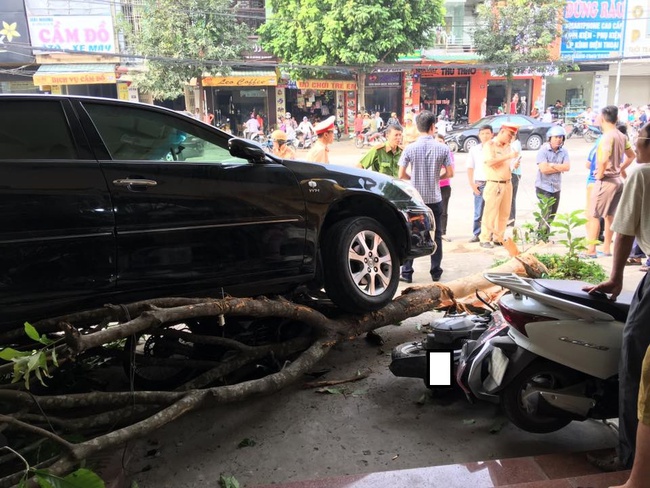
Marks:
<point>572,290</point>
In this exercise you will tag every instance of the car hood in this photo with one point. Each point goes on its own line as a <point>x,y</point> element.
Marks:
<point>323,179</point>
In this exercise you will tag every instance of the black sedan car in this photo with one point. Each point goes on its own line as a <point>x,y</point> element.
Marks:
<point>532,132</point>
<point>103,201</point>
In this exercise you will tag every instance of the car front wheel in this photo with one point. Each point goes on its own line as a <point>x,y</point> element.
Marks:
<point>534,142</point>
<point>360,265</point>
<point>469,143</point>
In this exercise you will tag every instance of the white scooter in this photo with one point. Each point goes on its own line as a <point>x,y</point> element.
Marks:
<point>554,359</point>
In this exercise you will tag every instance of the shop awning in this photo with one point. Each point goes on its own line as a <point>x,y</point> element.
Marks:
<point>74,74</point>
<point>266,77</point>
<point>450,57</point>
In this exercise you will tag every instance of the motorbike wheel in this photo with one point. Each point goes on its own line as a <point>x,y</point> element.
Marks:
<point>590,136</point>
<point>542,374</point>
<point>358,142</point>
<point>360,265</point>
<point>570,130</point>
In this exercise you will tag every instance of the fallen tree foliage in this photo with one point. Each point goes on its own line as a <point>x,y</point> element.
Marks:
<point>298,337</point>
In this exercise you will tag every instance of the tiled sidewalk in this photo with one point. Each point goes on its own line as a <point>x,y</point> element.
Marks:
<point>548,471</point>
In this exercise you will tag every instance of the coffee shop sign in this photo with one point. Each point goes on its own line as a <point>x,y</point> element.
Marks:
<point>84,33</point>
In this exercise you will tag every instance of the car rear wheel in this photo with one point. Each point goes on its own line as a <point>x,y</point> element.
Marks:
<point>469,143</point>
<point>534,142</point>
<point>360,265</point>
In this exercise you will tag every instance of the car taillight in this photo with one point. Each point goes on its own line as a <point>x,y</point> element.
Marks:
<point>518,319</point>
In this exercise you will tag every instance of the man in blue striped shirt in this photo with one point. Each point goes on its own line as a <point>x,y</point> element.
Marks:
<point>424,163</point>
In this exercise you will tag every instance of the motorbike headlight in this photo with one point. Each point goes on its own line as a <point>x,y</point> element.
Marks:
<point>410,191</point>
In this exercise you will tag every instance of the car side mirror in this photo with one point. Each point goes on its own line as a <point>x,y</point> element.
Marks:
<point>244,149</point>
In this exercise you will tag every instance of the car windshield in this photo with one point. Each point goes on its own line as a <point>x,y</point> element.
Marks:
<point>497,121</point>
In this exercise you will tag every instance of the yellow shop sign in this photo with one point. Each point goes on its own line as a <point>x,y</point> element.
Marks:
<point>240,80</point>
<point>73,78</point>
<point>344,85</point>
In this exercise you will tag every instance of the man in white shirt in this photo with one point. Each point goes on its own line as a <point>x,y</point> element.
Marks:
<point>306,128</point>
<point>441,125</point>
<point>476,177</point>
<point>252,127</point>
<point>380,121</point>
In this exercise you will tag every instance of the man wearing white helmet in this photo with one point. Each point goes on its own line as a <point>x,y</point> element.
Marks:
<point>552,161</point>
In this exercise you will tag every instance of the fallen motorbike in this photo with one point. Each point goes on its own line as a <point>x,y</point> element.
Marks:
<point>409,360</point>
<point>555,357</point>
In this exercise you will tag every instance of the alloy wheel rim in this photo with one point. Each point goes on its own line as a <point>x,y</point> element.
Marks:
<point>369,263</point>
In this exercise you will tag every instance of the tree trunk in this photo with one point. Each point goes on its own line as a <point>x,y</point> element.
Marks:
<point>200,102</point>
<point>509,76</point>
<point>361,91</point>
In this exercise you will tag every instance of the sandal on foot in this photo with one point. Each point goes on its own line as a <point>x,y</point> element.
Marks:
<point>633,262</point>
<point>583,255</point>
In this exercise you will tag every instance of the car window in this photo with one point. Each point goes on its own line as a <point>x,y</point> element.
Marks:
<point>34,129</point>
<point>519,120</point>
<point>135,133</point>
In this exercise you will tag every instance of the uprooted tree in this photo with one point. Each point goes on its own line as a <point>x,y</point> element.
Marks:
<point>198,363</point>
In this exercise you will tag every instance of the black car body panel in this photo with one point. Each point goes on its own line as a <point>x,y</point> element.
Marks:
<point>528,127</point>
<point>102,203</point>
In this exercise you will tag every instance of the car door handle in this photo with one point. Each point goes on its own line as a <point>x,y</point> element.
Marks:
<point>134,182</point>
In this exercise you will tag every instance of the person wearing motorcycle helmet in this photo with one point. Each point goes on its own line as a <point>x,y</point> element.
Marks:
<point>280,147</point>
<point>552,161</point>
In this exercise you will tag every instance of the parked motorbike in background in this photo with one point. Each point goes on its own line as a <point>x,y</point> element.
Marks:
<point>303,141</point>
<point>363,139</point>
<point>224,125</point>
<point>578,129</point>
<point>555,357</point>
<point>338,130</point>
<point>592,133</point>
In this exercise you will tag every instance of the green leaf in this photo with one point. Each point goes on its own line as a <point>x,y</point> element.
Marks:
<point>330,390</point>
<point>496,428</point>
<point>228,482</point>
<point>246,443</point>
<point>81,478</point>
<point>31,332</point>
<point>9,354</point>
<point>54,359</point>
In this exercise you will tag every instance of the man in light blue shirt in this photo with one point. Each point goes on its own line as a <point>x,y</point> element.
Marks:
<point>552,161</point>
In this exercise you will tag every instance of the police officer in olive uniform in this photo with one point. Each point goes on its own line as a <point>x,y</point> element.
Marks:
<point>384,157</point>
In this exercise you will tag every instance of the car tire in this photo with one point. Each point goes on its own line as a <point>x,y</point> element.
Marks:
<point>469,143</point>
<point>534,142</point>
<point>360,265</point>
<point>453,146</point>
